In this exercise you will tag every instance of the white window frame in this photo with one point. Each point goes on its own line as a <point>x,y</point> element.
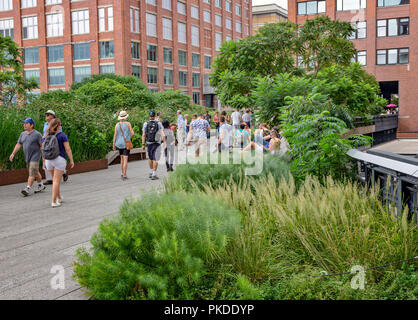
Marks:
<point>195,36</point>
<point>7,24</point>
<point>206,16</point>
<point>6,5</point>
<point>167,28</point>
<point>51,2</point>
<point>76,22</point>
<point>151,26</point>
<point>194,12</point>
<point>28,4</point>
<point>218,20</point>
<point>34,26</point>
<point>134,19</point>
<point>166,4</point>
<point>55,21</point>
<point>180,34</point>
<point>182,8</point>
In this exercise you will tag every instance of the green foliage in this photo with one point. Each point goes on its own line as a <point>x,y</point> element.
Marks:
<point>12,79</point>
<point>159,247</point>
<point>130,82</point>
<point>172,101</point>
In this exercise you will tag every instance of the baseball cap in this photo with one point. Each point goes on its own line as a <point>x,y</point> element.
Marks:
<point>152,113</point>
<point>50,112</point>
<point>29,120</point>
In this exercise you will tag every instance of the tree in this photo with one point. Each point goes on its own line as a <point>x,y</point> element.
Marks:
<point>12,80</point>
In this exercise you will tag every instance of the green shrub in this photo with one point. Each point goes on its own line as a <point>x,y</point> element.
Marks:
<point>130,82</point>
<point>159,247</point>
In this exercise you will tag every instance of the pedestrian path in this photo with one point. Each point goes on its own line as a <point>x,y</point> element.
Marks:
<point>35,237</point>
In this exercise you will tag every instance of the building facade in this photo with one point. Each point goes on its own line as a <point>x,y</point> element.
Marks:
<point>386,40</point>
<point>168,44</point>
<point>267,13</point>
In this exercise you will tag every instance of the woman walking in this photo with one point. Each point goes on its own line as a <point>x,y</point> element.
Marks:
<point>168,145</point>
<point>57,166</point>
<point>216,120</point>
<point>122,141</point>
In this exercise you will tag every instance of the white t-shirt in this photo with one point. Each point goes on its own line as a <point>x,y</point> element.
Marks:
<point>225,131</point>
<point>236,118</point>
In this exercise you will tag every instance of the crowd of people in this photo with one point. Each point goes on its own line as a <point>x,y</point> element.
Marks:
<point>159,136</point>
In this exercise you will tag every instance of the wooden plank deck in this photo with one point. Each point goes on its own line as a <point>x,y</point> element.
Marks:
<point>34,237</point>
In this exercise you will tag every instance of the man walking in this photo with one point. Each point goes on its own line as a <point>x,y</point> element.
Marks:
<point>181,130</point>
<point>246,117</point>
<point>236,119</point>
<point>199,128</point>
<point>224,136</point>
<point>31,140</point>
<point>49,116</point>
<point>152,134</point>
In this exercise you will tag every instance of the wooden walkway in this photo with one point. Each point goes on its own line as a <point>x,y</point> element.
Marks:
<point>35,237</point>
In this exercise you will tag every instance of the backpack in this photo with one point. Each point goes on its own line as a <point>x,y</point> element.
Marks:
<point>151,130</point>
<point>50,147</point>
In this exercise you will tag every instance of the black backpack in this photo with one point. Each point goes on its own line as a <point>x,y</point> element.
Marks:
<point>151,130</point>
<point>50,147</point>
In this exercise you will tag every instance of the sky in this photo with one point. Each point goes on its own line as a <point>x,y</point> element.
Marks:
<point>282,3</point>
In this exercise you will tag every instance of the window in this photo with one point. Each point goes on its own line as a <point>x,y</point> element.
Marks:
<point>152,75</point>
<point>228,37</point>
<point>56,76</point>
<point>167,4</point>
<point>208,62</point>
<point>167,29</point>
<point>81,51</point>
<point>228,6</point>
<point>181,32</point>
<point>106,49</point>
<point>6,5</point>
<point>135,50</point>
<point>360,32</point>
<point>48,2</point>
<point>393,56</point>
<point>195,80</point>
<point>246,13</point>
<point>168,77</point>
<point>206,16</point>
<point>218,20</point>
<point>181,7</point>
<point>183,78</point>
<point>31,55</point>
<point>81,72</point>
<point>206,1</point>
<point>168,55</point>
<point>29,74</point>
<point>207,37</point>
<point>195,60</point>
<point>360,57</point>
<point>151,52</point>
<point>102,19</point>
<point>28,4</point>
<point>195,36</point>
<point>390,3</point>
<point>311,7</point>
<point>80,21</point>
<point>218,4</point>
<point>393,27</point>
<point>56,53</point>
<point>6,28</point>
<point>136,71</point>
<point>218,41</point>
<point>238,27</point>
<point>30,27</point>
<point>228,23</point>
<point>196,97</point>
<point>134,20</point>
<point>107,68</point>
<point>153,2</point>
<point>54,25</point>
<point>194,12</point>
<point>182,58</point>
<point>151,25</point>
<point>343,5</point>
<point>238,10</point>
<point>247,30</point>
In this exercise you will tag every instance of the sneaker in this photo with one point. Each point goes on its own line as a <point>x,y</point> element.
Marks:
<point>154,178</point>
<point>40,188</point>
<point>150,175</point>
<point>27,191</point>
<point>55,205</point>
<point>65,177</point>
<point>47,182</point>
<point>60,200</point>
<point>124,178</point>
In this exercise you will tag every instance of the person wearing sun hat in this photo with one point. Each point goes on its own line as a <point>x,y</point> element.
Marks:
<point>31,140</point>
<point>123,134</point>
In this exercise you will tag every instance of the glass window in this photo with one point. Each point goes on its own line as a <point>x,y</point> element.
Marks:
<point>238,27</point>
<point>168,77</point>
<point>361,29</point>
<point>167,4</point>
<point>106,49</point>
<point>322,7</point>
<point>152,75</point>
<point>389,3</point>
<point>181,7</point>
<point>218,20</point>
<point>218,4</point>
<point>102,26</point>
<point>196,97</point>
<point>218,41</point>
<point>81,72</point>
<point>135,50</point>
<point>311,7</point>
<point>168,55</point>
<point>54,25</point>
<point>206,16</point>
<point>208,62</point>
<point>392,27</point>
<point>403,26</point>
<point>110,18</point>
<point>6,28</point>
<point>29,74</point>
<point>153,2</point>
<point>181,32</point>
<point>183,78</point>
<point>195,36</point>
<point>195,60</point>
<point>151,52</point>
<point>81,51</point>
<point>228,23</point>
<point>80,21</point>
<point>56,53</point>
<point>404,55</point>
<point>182,58</point>
<point>194,12</point>
<point>48,2</point>
<point>107,68</point>
<point>134,15</point>
<point>102,19</point>
<point>228,6</point>
<point>167,29</point>
<point>381,28</point>
<point>6,5</point>
<point>30,27</point>
<point>343,5</point>
<point>195,80</point>
<point>31,55</point>
<point>392,56</point>
<point>301,8</point>
<point>381,56</point>
<point>28,4</point>
<point>56,76</point>
<point>362,57</point>
<point>238,10</point>
<point>151,25</point>
<point>136,71</point>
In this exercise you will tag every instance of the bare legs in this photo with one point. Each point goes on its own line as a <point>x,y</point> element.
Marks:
<point>124,164</point>
<point>56,181</point>
<point>31,180</point>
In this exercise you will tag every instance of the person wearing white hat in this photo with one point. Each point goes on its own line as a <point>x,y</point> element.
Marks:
<point>122,140</point>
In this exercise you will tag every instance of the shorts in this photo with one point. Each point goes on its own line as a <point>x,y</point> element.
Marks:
<point>200,143</point>
<point>33,168</point>
<point>59,163</point>
<point>154,151</point>
<point>124,152</point>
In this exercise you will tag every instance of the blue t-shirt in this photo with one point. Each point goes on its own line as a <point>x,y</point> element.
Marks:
<point>61,137</point>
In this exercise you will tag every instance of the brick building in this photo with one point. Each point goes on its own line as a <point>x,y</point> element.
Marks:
<point>166,43</point>
<point>267,13</point>
<point>387,44</point>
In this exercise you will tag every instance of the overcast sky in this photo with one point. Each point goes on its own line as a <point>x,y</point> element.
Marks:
<point>282,3</point>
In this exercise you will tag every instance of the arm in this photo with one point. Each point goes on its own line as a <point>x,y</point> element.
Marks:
<point>15,150</point>
<point>221,137</point>
<point>69,153</point>
<point>143,140</point>
<point>114,138</point>
<point>130,129</point>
